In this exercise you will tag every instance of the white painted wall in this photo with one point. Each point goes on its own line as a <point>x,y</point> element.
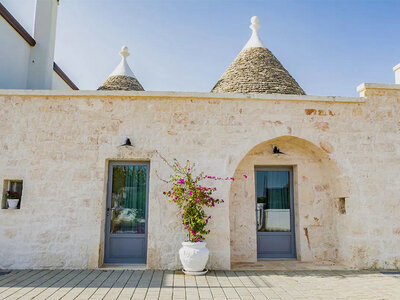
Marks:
<point>59,84</point>
<point>16,54</point>
<point>40,73</point>
<point>14,58</point>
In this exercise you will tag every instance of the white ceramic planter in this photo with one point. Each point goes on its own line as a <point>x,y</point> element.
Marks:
<point>194,256</point>
<point>12,203</point>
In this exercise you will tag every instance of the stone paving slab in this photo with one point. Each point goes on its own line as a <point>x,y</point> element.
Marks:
<point>243,284</point>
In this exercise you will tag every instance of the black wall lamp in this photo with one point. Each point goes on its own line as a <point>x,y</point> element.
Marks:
<point>275,150</point>
<point>127,143</point>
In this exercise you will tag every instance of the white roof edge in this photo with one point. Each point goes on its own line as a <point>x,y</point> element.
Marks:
<point>189,95</point>
<point>381,86</point>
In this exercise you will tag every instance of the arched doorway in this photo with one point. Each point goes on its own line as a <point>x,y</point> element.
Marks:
<point>316,185</point>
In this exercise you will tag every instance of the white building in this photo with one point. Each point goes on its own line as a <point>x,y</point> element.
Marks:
<point>27,62</point>
<point>331,195</point>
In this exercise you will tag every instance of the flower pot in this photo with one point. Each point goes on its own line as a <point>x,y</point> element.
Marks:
<point>194,256</point>
<point>12,203</point>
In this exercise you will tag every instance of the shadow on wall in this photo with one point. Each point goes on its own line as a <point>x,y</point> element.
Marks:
<point>318,185</point>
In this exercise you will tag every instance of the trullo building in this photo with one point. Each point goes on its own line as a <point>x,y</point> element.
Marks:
<point>322,171</point>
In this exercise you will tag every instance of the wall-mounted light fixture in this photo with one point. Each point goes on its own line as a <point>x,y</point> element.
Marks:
<point>127,142</point>
<point>275,150</point>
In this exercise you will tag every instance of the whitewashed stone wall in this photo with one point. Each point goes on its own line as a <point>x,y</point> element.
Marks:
<point>60,143</point>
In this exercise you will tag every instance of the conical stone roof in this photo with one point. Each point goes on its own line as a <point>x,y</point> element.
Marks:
<point>122,78</point>
<point>256,70</point>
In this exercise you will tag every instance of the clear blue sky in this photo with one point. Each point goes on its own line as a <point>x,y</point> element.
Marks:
<point>329,46</point>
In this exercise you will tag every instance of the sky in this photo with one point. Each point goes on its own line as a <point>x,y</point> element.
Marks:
<point>328,46</point>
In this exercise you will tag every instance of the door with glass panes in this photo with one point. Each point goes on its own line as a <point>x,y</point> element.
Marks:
<point>275,213</point>
<point>126,213</point>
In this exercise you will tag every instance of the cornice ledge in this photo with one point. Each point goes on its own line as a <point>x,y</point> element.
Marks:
<point>377,86</point>
<point>186,95</point>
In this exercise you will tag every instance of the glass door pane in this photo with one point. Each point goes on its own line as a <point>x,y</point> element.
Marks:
<point>273,201</point>
<point>128,199</point>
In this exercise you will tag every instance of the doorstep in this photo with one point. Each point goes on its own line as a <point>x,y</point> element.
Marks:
<point>123,267</point>
<point>286,265</point>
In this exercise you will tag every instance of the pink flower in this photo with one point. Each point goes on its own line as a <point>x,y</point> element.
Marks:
<point>233,179</point>
<point>183,215</point>
<point>198,239</point>
<point>245,176</point>
<point>187,227</point>
<point>181,181</point>
<point>190,193</point>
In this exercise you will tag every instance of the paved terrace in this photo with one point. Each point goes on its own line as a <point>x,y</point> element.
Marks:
<point>281,281</point>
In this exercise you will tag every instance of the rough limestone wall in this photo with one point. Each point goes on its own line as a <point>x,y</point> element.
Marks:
<point>60,147</point>
<point>371,226</point>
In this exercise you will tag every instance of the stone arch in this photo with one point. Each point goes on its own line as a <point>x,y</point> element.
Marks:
<point>318,185</point>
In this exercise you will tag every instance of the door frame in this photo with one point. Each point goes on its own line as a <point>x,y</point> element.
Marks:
<point>290,169</point>
<point>107,233</point>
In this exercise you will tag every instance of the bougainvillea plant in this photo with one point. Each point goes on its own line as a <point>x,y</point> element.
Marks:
<point>12,195</point>
<point>192,197</point>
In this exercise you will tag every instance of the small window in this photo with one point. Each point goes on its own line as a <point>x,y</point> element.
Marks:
<point>12,194</point>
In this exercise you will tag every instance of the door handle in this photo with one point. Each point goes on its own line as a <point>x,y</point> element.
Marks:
<point>108,210</point>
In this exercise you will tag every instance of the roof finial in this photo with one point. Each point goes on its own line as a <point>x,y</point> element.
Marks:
<point>254,23</point>
<point>123,67</point>
<point>254,40</point>
<point>124,52</point>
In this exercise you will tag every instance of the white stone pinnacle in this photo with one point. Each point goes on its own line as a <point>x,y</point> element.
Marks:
<point>254,40</point>
<point>123,67</point>
<point>124,52</point>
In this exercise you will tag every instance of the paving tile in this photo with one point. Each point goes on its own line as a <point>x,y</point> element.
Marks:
<point>118,286</point>
<point>60,285</point>
<point>8,290</point>
<point>44,285</point>
<point>34,284</point>
<point>244,284</point>
<point>107,284</point>
<point>80,286</point>
<point>130,286</point>
<point>71,281</point>
<point>143,285</point>
<point>92,287</point>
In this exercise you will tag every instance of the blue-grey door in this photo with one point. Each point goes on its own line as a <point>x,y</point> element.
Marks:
<point>274,213</point>
<point>126,213</point>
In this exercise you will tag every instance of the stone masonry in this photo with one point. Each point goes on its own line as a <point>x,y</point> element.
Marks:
<point>341,149</point>
<point>257,71</point>
<point>121,83</point>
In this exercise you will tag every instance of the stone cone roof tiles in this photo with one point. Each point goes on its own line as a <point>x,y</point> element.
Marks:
<point>122,83</point>
<point>122,78</point>
<point>257,71</point>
